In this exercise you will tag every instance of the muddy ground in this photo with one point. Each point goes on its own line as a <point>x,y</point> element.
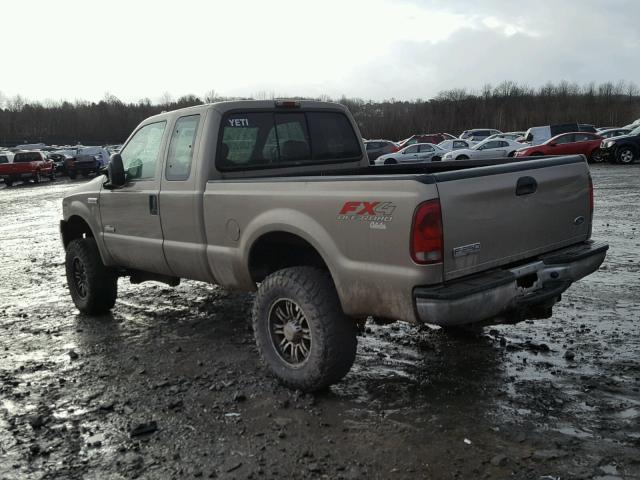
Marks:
<point>169,385</point>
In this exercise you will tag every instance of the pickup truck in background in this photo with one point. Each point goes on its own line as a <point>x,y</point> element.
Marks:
<point>27,166</point>
<point>279,198</point>
<point>85,161</point>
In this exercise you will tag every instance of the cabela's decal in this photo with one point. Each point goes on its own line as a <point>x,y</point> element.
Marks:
<point>376,213</point>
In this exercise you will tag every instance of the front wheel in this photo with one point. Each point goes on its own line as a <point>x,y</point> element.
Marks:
<point>390,161</point>
<point>302,334</point>
<point>596,156</point>
<point>92,285</point>
<point>626,155</point>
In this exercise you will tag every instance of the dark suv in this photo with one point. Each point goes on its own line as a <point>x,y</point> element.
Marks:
<point>625,149</point>
<point>375,148</point>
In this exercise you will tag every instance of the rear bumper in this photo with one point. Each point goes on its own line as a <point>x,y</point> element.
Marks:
<point>510,295</point>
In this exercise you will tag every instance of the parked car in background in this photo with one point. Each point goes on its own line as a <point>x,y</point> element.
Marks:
<point>614,132</point>
<point>486,149</point>
<point>433,138</point>
<point>539,135</point>
<point>113,149</point>
<point>584,143</point>
<point>58,160</point>
<point>633,125</point>
<point>375,148</point>
<point>478,134</point>
<point>419,152</point>
<point>27,166</point>
<point>625,149</point>
<point>87,160</point>
<point>507,135</point>
<point>457,144</point>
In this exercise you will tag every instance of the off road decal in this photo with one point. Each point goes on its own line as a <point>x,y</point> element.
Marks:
<point>378,214</point>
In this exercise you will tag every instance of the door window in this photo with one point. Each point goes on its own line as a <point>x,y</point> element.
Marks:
<point>564,139</point>
<point>181,148</point>
<point>426,148</point>
<point>412,149</point>
<point>140,155</point>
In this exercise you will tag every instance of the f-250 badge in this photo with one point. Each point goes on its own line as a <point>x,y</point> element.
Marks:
<point>378,214</point>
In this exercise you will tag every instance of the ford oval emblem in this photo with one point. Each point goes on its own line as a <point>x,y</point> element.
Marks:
<point>578,220</point>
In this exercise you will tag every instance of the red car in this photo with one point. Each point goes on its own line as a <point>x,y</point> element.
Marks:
<point>27,166</point>
<point>584,143</point>
<point>434,138</point>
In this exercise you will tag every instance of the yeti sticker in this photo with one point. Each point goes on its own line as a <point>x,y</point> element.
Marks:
<point>239,122</point>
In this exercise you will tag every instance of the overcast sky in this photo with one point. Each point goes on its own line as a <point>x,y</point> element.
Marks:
<point>372,49</point>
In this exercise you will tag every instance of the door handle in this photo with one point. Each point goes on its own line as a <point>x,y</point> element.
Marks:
<point>153,204</point>
<point>526,186</point>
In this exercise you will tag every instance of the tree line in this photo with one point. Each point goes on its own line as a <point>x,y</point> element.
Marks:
<point>508,106</point>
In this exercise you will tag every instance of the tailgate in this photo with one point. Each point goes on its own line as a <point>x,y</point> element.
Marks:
<point>501,214</point>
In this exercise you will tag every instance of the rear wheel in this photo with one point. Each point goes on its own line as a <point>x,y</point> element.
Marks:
<point>462,157</point>
<point>92,285</point>
<point>626,155</point>
<point>511,154</point>
<point>302,334</point>
<point>390,161</point>
<point>37,178</point>
<point>8,182</point>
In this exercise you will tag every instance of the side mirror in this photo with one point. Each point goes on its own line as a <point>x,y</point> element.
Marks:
<point>115,172</point>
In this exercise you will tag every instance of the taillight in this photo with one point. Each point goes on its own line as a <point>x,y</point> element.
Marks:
<point>591,202</point>
<point>426,233</point>
<point>394,148</point>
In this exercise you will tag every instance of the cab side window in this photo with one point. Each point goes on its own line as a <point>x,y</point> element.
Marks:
<point>181,148</point>
<point>140,155</point>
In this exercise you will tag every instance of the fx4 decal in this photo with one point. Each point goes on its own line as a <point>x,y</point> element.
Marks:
<point>378,214</point>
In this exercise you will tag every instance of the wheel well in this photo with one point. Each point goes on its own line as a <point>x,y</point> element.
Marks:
<point>75,227</point>
<point>277,250</point>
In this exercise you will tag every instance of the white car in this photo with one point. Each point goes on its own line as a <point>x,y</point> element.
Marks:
<point>486,149</point>
<point>418,152</point>
<point>507,135</point>
<point>450,145</point>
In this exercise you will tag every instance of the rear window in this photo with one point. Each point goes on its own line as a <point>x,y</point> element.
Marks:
<point>27,157</point>
<point>280,139</point>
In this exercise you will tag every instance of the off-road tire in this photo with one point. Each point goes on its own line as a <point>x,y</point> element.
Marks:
<point>100,282</point>
<point>333,334</point>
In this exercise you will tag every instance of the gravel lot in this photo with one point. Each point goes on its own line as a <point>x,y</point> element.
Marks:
<point>169,385</point>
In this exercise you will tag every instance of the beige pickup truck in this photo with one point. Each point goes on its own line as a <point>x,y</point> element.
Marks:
<point>278,197</point>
